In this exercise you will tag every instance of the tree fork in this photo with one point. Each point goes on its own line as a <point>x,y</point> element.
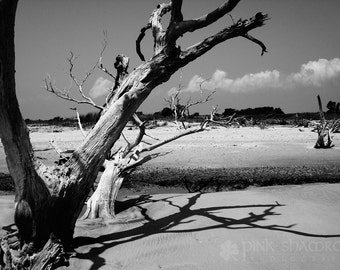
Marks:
<point>56,196</point>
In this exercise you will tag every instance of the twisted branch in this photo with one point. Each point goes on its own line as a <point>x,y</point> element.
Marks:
<point>65,93</point>
<point>139,40</point>
<point>260,43</point>
<point>241,28</point>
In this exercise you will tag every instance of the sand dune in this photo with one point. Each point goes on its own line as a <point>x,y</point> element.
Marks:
<point>284,227</point>
<point>290,227</point>
<point>216,148</point>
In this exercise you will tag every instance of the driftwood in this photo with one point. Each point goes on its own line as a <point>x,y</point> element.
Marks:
<point>325,129</point>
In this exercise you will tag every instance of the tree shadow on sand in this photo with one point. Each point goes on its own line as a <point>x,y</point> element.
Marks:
<point>167,223</point>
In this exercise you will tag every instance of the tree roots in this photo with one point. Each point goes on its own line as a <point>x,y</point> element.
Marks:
<point>12,256</point>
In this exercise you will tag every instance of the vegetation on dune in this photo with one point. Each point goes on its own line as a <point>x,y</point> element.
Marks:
<point>225,179</point>
<point>146,178</point>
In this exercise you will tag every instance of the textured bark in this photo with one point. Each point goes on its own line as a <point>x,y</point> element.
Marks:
<point>55,196</point>
<point>101,203</point>
<point>21,163</point>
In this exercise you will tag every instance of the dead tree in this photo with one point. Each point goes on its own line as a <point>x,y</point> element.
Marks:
<point>51,198</point>
<point>325,129</point>
<point>181,111</point>
<point>119,165</point>
<point>222,121</point>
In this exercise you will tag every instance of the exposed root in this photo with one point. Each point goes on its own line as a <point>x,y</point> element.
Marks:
<point>12,256</point>
<point>102,202</point>
<point>97,209</point>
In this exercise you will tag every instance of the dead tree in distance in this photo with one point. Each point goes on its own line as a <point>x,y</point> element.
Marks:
<point>325,129</point>
<point>51,198</point>
<point>181,111</point>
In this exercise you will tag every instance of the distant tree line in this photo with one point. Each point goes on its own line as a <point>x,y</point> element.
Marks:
<point>167,112</point>
<point>88,119</point>
<point>91,118</point>
<point>253,111</point>
<point>333,107</point>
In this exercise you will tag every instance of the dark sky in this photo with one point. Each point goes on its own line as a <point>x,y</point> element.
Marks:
<point>302,37</point>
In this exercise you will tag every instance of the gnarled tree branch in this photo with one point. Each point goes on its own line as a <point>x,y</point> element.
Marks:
<point>205,20</point>
<point>176,11</point>
<point>260,43</point>
<point>65,93</point>
<point>241,28</point>
<point>139,40</point>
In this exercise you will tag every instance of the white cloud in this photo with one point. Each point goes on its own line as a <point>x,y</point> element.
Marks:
<point>100,87</point>
<point>249,82</point>
<point>317,72</point>
<point>314,73</point>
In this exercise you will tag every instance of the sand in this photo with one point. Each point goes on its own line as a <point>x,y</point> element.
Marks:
<point>281,227</point>
<point>286,227</point>
<point>216,148</point>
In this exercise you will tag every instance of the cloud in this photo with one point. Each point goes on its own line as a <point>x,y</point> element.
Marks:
<point>100,87</point>
<point>314,73</point>
<point>249,82</point>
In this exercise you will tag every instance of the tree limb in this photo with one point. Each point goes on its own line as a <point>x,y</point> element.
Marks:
<point>99,63</point>
<point>65,94</point>
<point>156,17</point>
<point>224,123</point>
<point>157,29</point>
<point>205,20</point>
<point>176,11</point>
<point>79,122</point>
<point>260,43</point>
<point>56,147</point>
<point>139,40</point>
<point>180,135</point>
<point>121,65</point>
<point>71,61</point>
<point>241,28</point>
<point>137,161</point>
<point>141,126</point>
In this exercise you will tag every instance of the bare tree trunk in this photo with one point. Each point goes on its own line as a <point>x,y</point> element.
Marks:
<point>14,136</point>
<point>101,203</point>
<point>51,199</point>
